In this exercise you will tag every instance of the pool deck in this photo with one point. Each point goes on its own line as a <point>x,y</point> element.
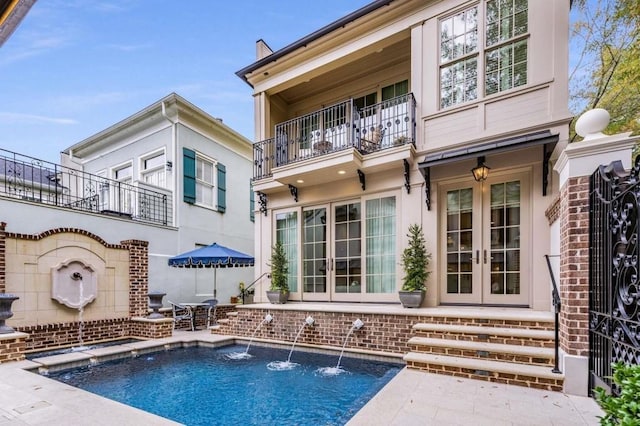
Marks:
<point>410,398</point>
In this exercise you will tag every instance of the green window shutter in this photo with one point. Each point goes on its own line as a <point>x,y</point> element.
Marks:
<point>252,203</point>
<point>222,188</point>
<point>189,179</point>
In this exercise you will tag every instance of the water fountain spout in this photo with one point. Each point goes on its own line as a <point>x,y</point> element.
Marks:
<point>267,320</point>
<point>287,365</point>
<point>309,321</point>
<point>333,371</point>
<point>78,277</point>
<point>357,324</point>
<point>243,355</point>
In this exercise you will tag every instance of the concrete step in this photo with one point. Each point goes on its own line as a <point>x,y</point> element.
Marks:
<point>483,350</point>
<point>503,335</point>
<point>540,377</point>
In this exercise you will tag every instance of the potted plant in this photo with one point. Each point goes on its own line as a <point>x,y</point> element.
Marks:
<point>279,291</point>
<point>246,295</point>
<point>415,261</point>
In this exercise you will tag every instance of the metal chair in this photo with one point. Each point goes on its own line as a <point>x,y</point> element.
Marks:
<point>211,311</point>
<point>181,313</point>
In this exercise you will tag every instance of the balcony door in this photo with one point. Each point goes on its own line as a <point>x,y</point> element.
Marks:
<point>486,241</point>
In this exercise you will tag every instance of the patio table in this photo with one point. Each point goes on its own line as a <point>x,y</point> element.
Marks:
<point>192,306</point>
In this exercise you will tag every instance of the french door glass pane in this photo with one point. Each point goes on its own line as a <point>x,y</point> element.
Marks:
<point>287,234</point>
<point>347,242</point>
<point>314,266</point>
<point>381,245</point>
<point>459,240</point>
<point>505,238</point>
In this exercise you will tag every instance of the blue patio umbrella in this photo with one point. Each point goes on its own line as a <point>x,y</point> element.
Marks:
<point>214,256</point>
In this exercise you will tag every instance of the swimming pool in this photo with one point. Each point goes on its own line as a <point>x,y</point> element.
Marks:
<point>203,386</point>
<point>40,354</point>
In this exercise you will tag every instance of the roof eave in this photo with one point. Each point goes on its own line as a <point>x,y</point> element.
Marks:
<point>311,37</point>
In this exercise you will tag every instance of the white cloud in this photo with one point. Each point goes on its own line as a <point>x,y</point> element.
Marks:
<point>129,47</point>
<point>18,118</point>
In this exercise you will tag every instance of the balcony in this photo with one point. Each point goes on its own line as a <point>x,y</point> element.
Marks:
<point>338,128</point>
<point>26,178</point>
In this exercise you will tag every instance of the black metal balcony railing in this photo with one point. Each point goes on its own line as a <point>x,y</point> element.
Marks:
<point>31,179</point>
<point>342,126</point>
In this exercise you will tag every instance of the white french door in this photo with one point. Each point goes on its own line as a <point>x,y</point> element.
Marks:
<point>486,241</point>
<point>331,252</point>
<point>348,250</point>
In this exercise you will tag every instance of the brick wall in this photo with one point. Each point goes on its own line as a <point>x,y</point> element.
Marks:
<point>381,332</point>
<point>574,266</point>
<point>151,329</point>
<point>44,336</point>
<point>12,347</point>
<point>138,277</point>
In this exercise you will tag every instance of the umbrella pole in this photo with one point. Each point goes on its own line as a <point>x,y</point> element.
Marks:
<point>215,283</point>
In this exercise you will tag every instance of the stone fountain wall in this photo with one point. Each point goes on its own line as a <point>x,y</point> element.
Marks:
<point>27,267</point>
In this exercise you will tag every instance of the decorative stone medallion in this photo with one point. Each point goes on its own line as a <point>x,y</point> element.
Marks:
<point>74,283</point>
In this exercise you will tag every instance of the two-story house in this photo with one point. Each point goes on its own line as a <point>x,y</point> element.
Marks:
<point>175,166</point>
<point>442,113</point>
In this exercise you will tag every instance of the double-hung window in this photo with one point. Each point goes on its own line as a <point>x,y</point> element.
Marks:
<point>153,169</point>
<point>459,58</point>
<point>205,181</point>
<point>506,45</point>
<point>491,35</point>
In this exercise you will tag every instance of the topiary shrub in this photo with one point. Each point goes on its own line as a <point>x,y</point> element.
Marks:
<point>415,260</point>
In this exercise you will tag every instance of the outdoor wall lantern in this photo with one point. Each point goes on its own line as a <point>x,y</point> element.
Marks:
<point>481,171</point>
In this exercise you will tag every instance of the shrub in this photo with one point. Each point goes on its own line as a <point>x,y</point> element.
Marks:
<point>279,268</point>
<point>623,409</point>
<point>415,260</point>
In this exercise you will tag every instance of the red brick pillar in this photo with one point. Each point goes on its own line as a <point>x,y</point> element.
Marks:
<point>574,266</point>
<point>3,257</point>
<point>138,276</point>
<point>575,166</point>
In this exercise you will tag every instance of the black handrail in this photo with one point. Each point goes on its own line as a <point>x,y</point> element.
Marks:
<point>555,294</point>
<point>244,291</point>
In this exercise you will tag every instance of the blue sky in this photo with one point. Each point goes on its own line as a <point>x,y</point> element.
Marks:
<point>75,67</point>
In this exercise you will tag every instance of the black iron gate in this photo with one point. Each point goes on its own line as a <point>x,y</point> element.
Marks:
<point>614,298</point>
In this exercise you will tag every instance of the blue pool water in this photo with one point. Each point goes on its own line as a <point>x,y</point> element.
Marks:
<point>204,386</point>
<point>41,354</point>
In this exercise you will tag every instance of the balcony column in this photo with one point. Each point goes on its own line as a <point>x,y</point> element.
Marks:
<point>417,49</point>
<point>261,116</point>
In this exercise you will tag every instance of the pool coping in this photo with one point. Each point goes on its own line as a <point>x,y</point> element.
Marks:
<point>91,356</point>
<point>28,398</point>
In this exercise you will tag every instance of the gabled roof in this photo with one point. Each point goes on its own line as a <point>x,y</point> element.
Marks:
<point>312,37</point>
<point>172,107</point>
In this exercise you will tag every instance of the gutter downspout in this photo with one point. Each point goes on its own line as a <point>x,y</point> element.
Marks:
<point>174,169</point>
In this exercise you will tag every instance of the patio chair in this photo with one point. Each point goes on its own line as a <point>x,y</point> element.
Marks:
<point>181,313</point>
<point>211,311</point>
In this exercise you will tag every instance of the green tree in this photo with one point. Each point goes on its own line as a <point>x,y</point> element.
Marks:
<point>605,61</point>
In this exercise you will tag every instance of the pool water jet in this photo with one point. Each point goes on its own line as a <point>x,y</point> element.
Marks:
<point>288,365</point>
<point>334,371</point>
<point>244,355</point>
